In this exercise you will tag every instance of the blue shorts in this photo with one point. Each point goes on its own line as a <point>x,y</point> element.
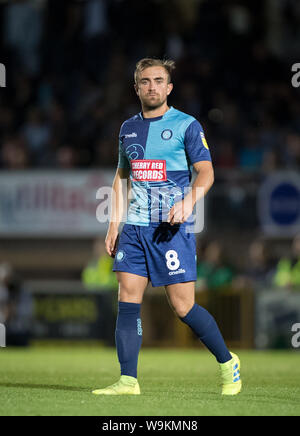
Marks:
<point>165,254</point>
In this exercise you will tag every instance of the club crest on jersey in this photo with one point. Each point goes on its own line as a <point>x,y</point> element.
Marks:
<point>166,134</point>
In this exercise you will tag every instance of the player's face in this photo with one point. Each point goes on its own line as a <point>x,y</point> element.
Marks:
<point>152,87</point>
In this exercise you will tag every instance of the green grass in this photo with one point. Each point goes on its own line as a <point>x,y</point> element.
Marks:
<point>58,381</point>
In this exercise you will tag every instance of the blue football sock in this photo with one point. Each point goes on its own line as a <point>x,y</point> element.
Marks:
<point>206,329</point>
<point>128,337</point>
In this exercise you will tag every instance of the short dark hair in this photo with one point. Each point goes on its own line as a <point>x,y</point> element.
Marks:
<point>167,64</point>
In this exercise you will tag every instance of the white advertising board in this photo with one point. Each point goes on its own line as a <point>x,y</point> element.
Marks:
<point>51,204</point>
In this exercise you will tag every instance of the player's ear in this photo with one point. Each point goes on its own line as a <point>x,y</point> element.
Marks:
<point>136,88</point>
<point>169,89</point>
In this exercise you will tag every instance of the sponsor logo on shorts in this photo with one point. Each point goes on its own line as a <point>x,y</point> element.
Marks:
<point>120,256</point>
<point>179,271</point>
<point>148,170</point>
<point>131,135</point>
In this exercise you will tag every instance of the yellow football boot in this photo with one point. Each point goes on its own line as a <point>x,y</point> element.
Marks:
<point>231,377</point>
<point>125,386</point>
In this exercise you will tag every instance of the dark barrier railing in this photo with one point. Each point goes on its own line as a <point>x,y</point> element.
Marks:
<point>66,310</point>
<point>233,311</point>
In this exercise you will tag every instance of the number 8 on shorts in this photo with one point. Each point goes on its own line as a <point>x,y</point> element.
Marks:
<point>172,260</point>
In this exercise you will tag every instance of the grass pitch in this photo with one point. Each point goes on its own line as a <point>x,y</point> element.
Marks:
<point>58,381</point>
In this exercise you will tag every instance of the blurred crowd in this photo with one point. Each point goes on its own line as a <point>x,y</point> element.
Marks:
<point>262,269</point>
<point>69,67</point>
<point>217,269</point>
<point>216,273</point>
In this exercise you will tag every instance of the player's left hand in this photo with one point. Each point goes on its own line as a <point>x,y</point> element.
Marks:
<point>180,212</point>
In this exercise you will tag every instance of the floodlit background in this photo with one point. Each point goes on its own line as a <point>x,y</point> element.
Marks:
<point>69,86</point>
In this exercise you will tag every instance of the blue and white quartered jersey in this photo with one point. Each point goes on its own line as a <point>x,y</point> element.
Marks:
<point>159,152</point>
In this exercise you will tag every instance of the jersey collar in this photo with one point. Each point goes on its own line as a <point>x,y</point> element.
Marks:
<point>165,115</point>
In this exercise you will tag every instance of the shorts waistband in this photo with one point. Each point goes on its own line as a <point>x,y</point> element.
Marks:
<point>161,225</point>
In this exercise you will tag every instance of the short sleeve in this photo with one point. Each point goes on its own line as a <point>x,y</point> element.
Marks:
<point>123,161</point>
<point>195,143</point>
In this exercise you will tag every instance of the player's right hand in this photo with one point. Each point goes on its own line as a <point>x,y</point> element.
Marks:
<point>111,242</point>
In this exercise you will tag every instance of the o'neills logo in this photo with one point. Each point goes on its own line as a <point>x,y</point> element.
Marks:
<point>148,170</point>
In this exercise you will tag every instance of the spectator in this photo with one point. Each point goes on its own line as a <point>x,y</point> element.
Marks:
<point>66,157</point>
<point>258,271</point>
<point>287,274</point>
<point>15,307</point>
<point>251,154</point>
<point>22,33</point>
<point>36,133</point>
<point>226,157</point>
<point>292,151</point>
<point>214,272</point>
<point>14,154</point>
<point>98,272</point>
<point>272,161</point>
<point>95,34</point>
<point>6,120</point>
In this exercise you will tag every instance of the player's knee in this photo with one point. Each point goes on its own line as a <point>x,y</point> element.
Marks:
<point>182,307</point>
<point>129,296</point>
